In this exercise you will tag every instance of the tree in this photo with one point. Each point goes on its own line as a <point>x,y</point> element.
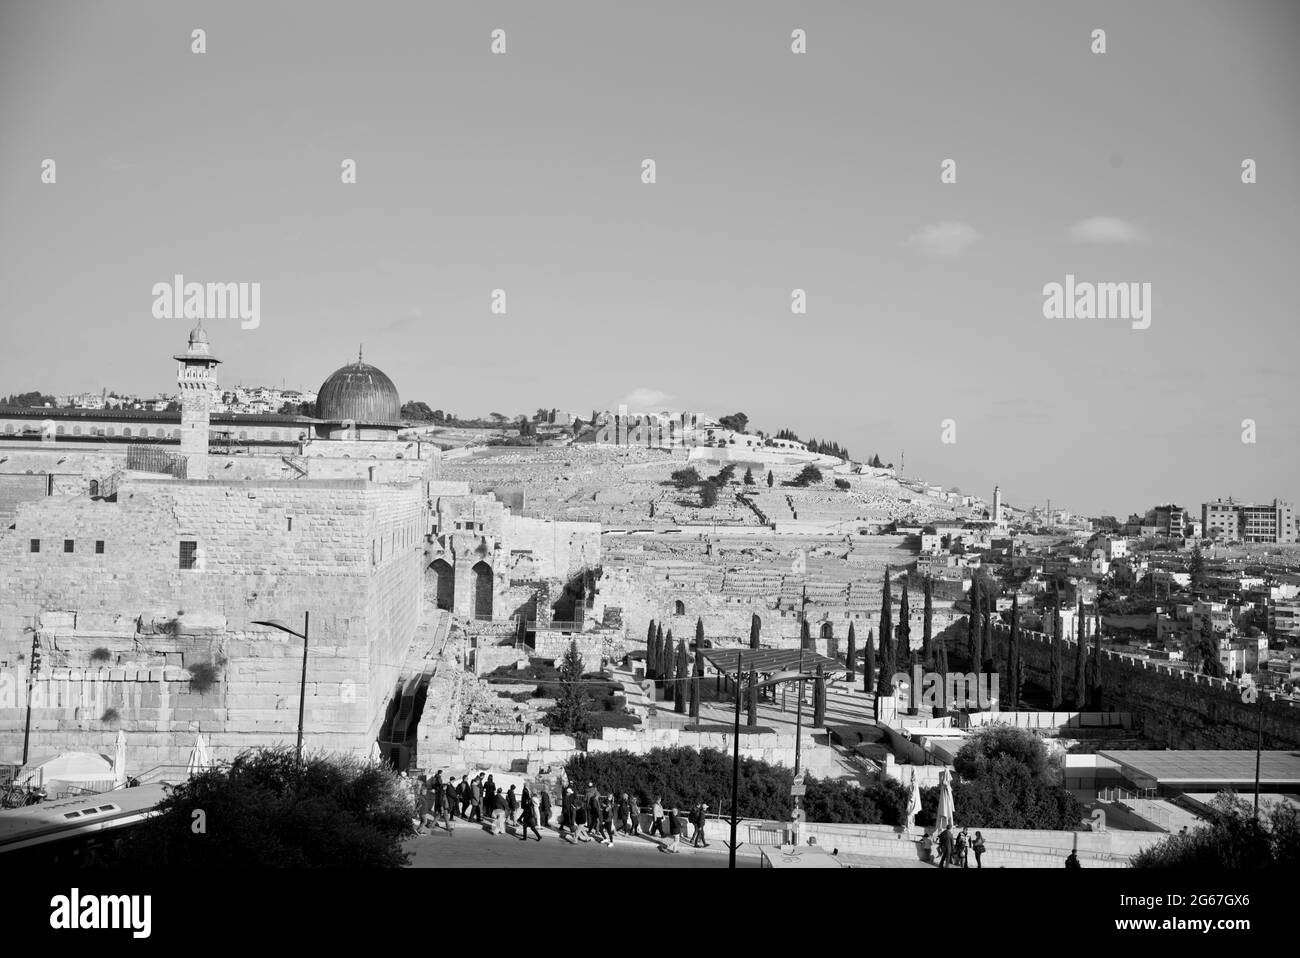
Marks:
<point>1094,663</point>
<point>1233,838</point>
<point>683,671</point>
<point>670,687</point>
<point>808,475</point>
<point>708,495</point>
<point>736,422</point>
<point>751,709</point>
<point>659,654</point>
<point>869,666</point>
<point>990,606</point>
<point>755,627</point>
<point>1205,651</point>
<point>770,480</point>
<point>885,680</point>
<point>852,659</point>
<point>875,462</point>
<point>1197,569</point>
<point>904,634</point>
<point>1057,670</point>
<point>1081,663</point>
<point>819,699</point>
<point>927,627</point>
<point>749,476</point>
<point>651,646</point>
<point>267,809</point>
<point>805,637</point>
<point>976,633</point>
<point>698,676</point>
<point>686,478</point>
<point>569,714</point>
<point>1013,657</point>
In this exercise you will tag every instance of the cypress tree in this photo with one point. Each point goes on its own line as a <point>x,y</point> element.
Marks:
<point>904,633</point>
<point>819,699</point>
<point>683,670</point>
<point>869,666</point>
<point>975,632</point>
<point>1081,664</point>
<point>751,710</point>
<point>770,480</point>
<point>990,649</point>
<point>697,678</point>
<point>670,687</point>
<point>659,652</point>
<point>755,626</point>
<point>927,627</point>
<point>1013,657</point>
<point>1094,667</point>
<point>971,640</point>
<point>699,632</point>
<point>852,660</point>
<point>1057,665</point>
<point>805,636</point>
<point>650,651</point>
<point>885,678</point>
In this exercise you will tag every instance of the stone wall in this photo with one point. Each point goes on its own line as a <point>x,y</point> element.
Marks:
<point>1175,707</point>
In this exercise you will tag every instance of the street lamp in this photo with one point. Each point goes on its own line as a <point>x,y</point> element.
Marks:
<point>302,691</point>
<point>796,676</point>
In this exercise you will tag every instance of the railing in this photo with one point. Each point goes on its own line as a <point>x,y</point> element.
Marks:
<point>296,463</point>
<point>108,485</point>
<point>149,458</point>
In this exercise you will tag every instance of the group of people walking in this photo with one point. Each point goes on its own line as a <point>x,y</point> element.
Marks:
<point>591,816</point>
<point>955,850</point>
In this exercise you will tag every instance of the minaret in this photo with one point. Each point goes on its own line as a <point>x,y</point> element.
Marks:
<point>196,377</point>
<point>997,504</point>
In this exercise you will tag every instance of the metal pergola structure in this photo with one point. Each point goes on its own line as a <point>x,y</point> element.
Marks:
<point>770,661</point>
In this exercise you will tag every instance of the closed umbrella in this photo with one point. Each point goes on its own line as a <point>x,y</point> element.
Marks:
<point>375,754</point>
<point>199,757</point>
<point>947,810</point>
<point>913,802</point>
<point>119,760</point>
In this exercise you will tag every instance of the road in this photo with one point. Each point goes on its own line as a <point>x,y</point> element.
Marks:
<point>473,847</point>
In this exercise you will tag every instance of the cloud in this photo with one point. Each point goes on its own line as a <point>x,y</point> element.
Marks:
<point>1106,229</point>
<point>645,399</point>
<point>944,239</point>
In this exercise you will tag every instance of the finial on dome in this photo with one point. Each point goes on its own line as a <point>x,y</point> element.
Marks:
<point>358,354</point>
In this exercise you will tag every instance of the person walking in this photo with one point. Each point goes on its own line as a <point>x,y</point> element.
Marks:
<point>674,831</point>
<point>945,846</point>
<point>593,812</point>
<point>701,816</point>
<point>436,788</point>
<point>977,846</point>
<point>633,815</point>
<point>546,808</point>
<point>512,805</point>
<point>528,816</point>
<point>963,843</point>
<point>569,817</point>
<point>424,805</point>
<point>449,806</point>
<point>489,797</point>
<point>464,796</point>
<point>476,795</point>
<point>657,819</point>
<point>607,820</point>
<point>620,813</point>
<point>499,814</point>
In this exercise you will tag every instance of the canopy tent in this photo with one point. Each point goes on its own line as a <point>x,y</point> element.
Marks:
<point>731,661</point>
<point>72,768</point>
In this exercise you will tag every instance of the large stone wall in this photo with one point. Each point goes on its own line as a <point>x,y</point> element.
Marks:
<point>1175,707</point>
<point>350,552</point>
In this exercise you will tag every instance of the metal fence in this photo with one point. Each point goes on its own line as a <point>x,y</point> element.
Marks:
<point>150,458</point>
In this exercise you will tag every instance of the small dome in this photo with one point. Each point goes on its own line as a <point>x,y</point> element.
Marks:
<point>198,335</point>
<point>359,392</point>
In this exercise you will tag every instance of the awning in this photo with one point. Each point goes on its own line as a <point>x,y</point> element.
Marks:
<point>770,660</point>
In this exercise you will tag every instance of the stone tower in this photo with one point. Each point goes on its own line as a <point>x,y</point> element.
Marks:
<point>197,378</point>
<point>997,504</point>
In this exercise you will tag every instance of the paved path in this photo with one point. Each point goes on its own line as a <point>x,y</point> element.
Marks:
<point>472,847</point>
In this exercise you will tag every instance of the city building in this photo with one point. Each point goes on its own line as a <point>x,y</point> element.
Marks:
<point>1249,522</point>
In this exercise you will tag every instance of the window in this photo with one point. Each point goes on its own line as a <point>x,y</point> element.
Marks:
<point>76,430</point>
<point>189,554</point>
<point>94,488</point>
<point>69,545</point>
<point>99,547</point>
<point>126,431</point>
<point>36,545</point>
<point>291,523</point>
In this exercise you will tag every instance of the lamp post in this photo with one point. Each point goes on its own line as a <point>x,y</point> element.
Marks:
<point>735,744</point>
<point>302,690</point>
<point>1250,694</point>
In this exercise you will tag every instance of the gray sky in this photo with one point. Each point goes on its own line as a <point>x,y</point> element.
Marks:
<point>775,171</point>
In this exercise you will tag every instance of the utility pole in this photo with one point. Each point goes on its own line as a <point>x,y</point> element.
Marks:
<point>34,665</point>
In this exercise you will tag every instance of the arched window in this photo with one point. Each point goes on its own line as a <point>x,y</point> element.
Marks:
<point>176,434</point>
<point>76,430</point>
<point>275,436</point>
<point>482,590</point>
<point>9,429</point>
<point>679,607</point>
<point>828,630</point>
<point>444,584</point>
<point>94,488</point>
<point>160,433</point>
<point>126,431</point>
<point>110,431</point>
<point>58,431</point>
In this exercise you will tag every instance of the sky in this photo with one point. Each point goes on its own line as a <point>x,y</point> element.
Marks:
<point>775,171</point>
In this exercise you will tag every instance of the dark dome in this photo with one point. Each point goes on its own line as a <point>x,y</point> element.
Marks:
<point>359,392</point>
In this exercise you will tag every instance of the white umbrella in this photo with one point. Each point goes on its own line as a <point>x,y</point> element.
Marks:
<point>375,754</point>
<point>913,803</point>
<point>946,814</point>
<point>119,760</point>
<point>199,757</point>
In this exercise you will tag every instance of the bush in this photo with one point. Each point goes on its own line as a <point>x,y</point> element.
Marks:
<point>101,654</point>
<point>841,483</point>
<point>883,802</point>
<point>266,809</point>
<point>991,742</point>
<point>685,478</point>
<point>807,476</point>
<point>1232,839</point>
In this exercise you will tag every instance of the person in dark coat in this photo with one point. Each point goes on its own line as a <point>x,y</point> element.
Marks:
<point>674,831</point>
<point>607,820</point>
<point>489,796</point>
<point>620,813</point>
<point>633,815</point>
<point>977,846</point>
<point>701,816</point>
<point>512,806</point>
<point>449,808</point>
<point>528,816</point>
<point>945,846</point>
<point>569,817</point>
<point>1072,861</point>
<point>961,848</point>
<point>435,787</point>
<point>464,796</point>
<point>546,808</point>
<point>476,796</point>
<point>593,813</point>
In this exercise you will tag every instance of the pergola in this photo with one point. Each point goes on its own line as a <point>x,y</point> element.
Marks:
<point>770,661</point>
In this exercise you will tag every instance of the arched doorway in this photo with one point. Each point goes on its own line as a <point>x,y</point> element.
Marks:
<point>482,590</point>
<point>679,607</point>
<point>828,630</point>
<point>443,583</point>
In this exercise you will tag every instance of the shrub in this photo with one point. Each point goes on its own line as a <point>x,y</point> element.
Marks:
<point>685,478</point>
<point>1232,839</point>
<point>883,802</point>
<point>266,809</point>
<point>841,483</point>
<point>203,675</point>
<point>807,476</point>
<point>989,743</point>
<point>101,654</point>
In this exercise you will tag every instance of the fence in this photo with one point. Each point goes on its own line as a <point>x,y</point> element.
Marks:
<point>150,458</point>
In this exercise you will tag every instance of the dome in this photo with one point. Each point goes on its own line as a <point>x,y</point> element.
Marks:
<point>359,392</point>
<point>198,335</point>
